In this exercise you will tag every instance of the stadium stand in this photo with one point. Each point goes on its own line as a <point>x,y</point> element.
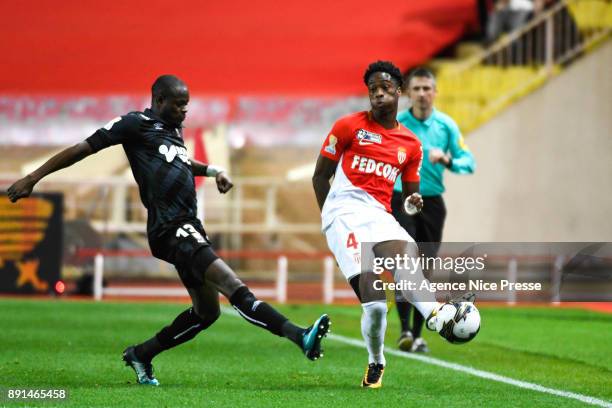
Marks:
<point>475,88</point>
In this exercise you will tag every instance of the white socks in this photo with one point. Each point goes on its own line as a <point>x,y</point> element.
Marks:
<point>373,326</point>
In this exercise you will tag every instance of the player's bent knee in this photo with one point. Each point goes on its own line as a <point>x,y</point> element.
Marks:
<point>242,296</point>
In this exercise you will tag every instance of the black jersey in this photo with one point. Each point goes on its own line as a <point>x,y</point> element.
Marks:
<point>160,165</point>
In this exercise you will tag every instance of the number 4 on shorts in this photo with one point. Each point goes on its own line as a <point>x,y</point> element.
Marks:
<point>351,241</point>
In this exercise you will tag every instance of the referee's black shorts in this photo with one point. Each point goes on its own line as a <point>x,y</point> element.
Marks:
<point>187,247</point>
<point>425,227</point>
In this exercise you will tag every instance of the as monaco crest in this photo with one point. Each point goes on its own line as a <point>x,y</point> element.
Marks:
<point>401,155</point>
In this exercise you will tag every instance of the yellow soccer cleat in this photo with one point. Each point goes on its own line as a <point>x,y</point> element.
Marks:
<point>373,376</point>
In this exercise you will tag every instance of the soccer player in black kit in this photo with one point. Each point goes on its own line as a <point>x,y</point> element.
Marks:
<point>154,146</point>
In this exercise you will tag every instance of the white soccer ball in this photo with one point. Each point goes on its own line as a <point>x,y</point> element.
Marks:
<point>458,322</point>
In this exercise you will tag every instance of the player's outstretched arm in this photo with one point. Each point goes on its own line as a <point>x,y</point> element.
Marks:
<point>67,157</point>
<point>324,170</point>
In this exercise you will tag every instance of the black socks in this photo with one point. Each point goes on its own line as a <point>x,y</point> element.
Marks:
<point>293,333</point>
<point>149,349</point>
<point>184,328</point>
<point>417,323</point>
<point>188,324</point>
<point>262,314</point>
<point>403,310</point>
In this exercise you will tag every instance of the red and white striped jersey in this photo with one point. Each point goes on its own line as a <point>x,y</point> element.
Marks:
<point>370,159</point>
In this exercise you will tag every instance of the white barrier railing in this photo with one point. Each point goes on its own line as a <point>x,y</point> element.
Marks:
<point>278,292</point>
<point>281,279</point>
<point>110,207</point>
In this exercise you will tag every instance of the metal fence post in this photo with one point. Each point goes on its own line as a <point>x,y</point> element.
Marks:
<point>328,280</point>
<point>98,277</point>
<point>281,279</point>
<point>550,42</point>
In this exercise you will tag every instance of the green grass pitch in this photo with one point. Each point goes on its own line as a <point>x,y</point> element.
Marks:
<point>77,346</point>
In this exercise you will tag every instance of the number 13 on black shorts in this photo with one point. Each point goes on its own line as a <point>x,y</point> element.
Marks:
<point>188,230</point>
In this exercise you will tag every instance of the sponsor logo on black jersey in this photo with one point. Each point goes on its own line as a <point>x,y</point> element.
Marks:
<point>172,151</point>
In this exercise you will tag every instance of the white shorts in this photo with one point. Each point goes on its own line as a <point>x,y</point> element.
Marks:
<point>346,233</point>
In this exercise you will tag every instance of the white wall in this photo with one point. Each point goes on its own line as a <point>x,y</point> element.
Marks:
<point>544,165</point>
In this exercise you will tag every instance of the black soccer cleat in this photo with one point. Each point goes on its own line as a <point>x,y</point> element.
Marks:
<point>144,371</point>
<point>311,342</point>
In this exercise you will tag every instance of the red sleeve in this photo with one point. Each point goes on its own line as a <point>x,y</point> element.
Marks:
<point>412,171</point>
<point>338,139</point>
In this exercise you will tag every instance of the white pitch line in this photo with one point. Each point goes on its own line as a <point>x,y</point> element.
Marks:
<point>479,373</point>
<point>468,370</point>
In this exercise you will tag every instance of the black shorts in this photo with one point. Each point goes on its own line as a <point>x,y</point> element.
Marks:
<point>187,247</point>
<point>425,227</point>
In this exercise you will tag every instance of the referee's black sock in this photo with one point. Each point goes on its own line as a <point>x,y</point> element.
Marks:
<point>184,328</point>
<point>417,323</point>
<point>263,315</point>
<point>403,311</point>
